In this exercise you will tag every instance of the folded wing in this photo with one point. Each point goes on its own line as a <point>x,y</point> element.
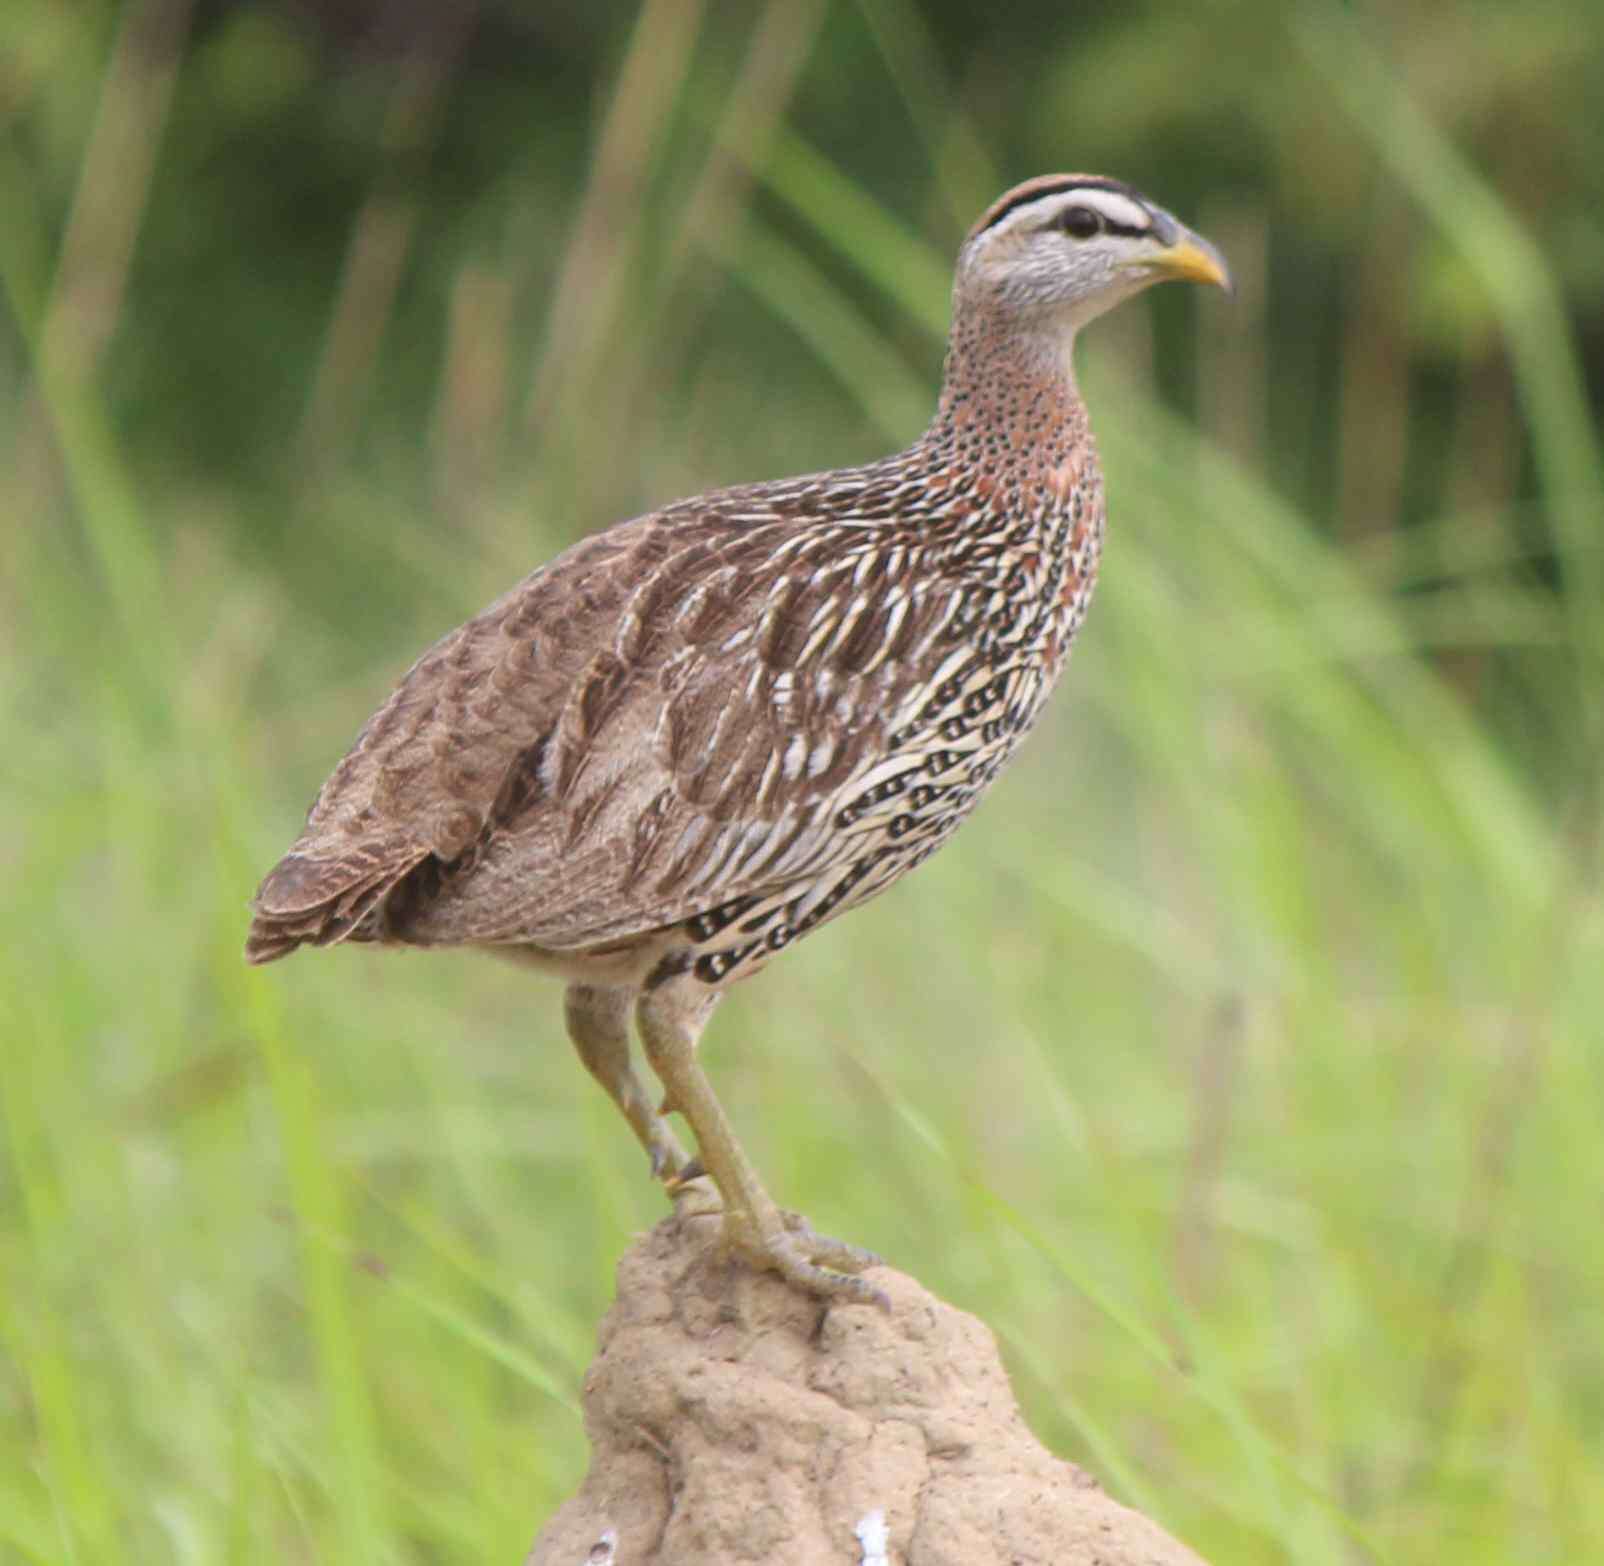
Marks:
<point>667,716</point>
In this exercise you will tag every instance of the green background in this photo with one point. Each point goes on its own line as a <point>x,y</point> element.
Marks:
<point>1242,1065</point>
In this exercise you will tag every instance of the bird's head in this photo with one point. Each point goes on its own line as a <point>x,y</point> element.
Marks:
<point>1053,253</point>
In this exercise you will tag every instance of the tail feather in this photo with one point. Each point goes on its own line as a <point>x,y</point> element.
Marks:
<point>319,902</point>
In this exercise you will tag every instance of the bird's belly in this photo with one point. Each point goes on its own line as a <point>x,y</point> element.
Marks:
<point>622,963</point>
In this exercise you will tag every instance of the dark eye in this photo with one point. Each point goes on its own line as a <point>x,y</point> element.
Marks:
<point>1080,222</point>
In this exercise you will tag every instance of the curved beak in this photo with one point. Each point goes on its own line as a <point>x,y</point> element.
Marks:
<point>1191,259</point>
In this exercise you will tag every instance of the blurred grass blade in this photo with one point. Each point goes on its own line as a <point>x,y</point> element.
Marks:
<point>1264,1455</point>
<point>125,556</point>
<point>799,293</point>
<point>1490,804</point>
<point>891,256</point>
<point>52,1370</point>
<point>352,1443</point>
<point>608,227</point>
<point>492,1345</point>
<point>1521,285</point>
<point>967,174</point>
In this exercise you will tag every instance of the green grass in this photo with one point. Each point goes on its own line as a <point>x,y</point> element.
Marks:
<point>1241,1064</point>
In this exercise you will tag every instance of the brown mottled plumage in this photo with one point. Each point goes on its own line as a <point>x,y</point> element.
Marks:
<point>697,736</point>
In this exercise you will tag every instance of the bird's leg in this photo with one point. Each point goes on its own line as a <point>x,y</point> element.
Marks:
<point>670,1021</point>
<point>598,1023</point>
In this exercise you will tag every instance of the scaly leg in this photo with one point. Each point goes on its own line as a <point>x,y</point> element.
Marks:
<point>670,1021</point>
<point>598,1023</point>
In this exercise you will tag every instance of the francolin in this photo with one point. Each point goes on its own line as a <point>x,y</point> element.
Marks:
<point>697,736</point>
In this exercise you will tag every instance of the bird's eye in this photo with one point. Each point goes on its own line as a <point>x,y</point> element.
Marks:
<point>1080,222</point>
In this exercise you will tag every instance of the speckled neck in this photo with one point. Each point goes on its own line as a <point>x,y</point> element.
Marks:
<point>1009,403</point>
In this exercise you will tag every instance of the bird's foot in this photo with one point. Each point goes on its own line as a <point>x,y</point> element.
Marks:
<point>815,1263</point>
<point>787,1244</point>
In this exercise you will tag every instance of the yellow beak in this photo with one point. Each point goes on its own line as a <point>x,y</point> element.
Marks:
<point>1192,259</point>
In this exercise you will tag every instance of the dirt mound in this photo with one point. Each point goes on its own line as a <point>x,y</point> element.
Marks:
<point>733,1419</point>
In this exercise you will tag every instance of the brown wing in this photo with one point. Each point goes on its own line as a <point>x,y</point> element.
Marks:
<point>661,719</point>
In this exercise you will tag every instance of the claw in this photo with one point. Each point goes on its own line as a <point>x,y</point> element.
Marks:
<point>839,1255</point>
<point>691,1170</point>
<point>814,1262</point>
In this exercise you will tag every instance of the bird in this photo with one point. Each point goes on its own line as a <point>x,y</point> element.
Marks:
<point>699,735</point>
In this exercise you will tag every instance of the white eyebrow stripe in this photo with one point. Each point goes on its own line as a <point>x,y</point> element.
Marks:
<point>1116,208</point>
<point>1120,210</point>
